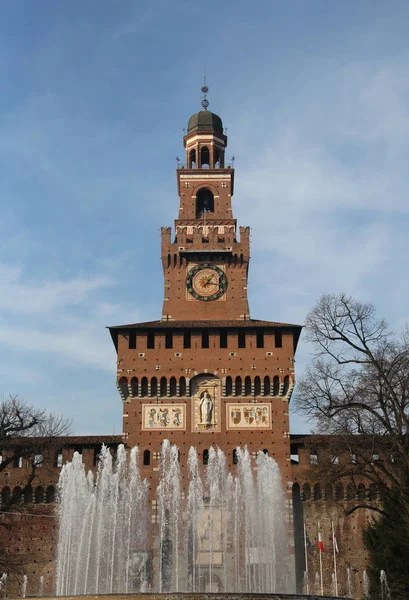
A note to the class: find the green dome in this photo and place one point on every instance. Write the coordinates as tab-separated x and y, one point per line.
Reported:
205	121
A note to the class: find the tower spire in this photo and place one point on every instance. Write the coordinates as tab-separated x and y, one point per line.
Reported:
205	89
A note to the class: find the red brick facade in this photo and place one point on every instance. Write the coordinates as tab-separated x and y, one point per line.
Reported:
206	333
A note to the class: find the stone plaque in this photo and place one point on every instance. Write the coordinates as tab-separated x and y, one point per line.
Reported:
248	416
210	536
163	416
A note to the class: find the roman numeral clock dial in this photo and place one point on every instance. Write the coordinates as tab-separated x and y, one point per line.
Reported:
206	282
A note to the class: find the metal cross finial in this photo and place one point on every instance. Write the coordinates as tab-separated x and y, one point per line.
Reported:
205	89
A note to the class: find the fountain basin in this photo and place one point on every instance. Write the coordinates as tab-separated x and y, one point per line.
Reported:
191	596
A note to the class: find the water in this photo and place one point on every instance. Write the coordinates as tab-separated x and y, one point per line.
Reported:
219	532
350	585
317	584
41	588
24	587
305	583
103	526
3	585
385	593
367	592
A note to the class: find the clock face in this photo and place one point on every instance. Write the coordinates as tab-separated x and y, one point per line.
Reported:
206	282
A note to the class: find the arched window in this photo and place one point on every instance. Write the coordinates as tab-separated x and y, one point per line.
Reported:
146	458
182	386
39	495
306	491
361	491
296	491
123	386
154	386
276	385
28	494
257	386
247	386
163	386
204	202
317	492
235	457
5	497
205	457
339	492
329	493
229	386
172	386
286	385
192	159
204	157
134	386
217	155
17	495
267	389
238	386
144	386
50	494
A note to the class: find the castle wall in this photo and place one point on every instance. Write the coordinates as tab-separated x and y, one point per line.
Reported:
317	502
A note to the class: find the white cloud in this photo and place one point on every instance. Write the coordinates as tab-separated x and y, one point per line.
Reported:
80	346
17	295
60	319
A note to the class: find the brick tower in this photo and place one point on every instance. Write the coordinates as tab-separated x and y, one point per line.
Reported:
206	373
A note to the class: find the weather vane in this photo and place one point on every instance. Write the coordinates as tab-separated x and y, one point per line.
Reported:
205	89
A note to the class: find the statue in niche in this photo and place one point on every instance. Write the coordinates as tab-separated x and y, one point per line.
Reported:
206	408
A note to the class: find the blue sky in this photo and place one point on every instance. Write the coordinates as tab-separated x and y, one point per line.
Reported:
94	99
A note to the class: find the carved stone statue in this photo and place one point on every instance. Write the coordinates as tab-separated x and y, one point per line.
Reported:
206	408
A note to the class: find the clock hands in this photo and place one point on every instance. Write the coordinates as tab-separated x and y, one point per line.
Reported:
208	281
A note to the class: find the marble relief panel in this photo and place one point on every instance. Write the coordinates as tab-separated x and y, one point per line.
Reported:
163	416
248	416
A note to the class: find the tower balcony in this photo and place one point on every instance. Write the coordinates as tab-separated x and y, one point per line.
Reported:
229	166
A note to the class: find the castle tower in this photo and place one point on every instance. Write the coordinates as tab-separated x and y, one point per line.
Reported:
206	373
206	257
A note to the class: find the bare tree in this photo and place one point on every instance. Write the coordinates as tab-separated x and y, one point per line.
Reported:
357	388
29	438
31	435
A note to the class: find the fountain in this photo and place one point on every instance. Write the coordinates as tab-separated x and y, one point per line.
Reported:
385	592
317	584
41	588
366	584
350	585
24	587
3	585
306	583
229	534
